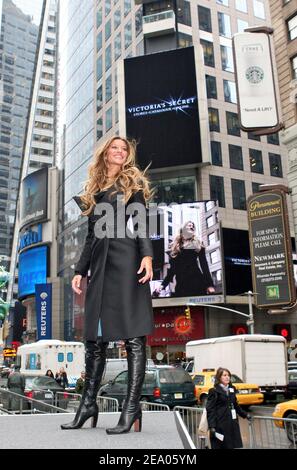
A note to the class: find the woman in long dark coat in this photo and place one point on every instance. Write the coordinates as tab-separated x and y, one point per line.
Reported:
184	254
222	410
118	302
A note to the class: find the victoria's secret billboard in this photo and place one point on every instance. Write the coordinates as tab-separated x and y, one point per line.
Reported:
162	108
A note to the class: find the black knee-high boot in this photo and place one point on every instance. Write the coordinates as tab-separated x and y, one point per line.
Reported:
95	364
131	412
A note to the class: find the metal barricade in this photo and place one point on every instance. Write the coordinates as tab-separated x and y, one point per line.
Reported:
191	417
26	405
68	401
148	406
273	433
107	404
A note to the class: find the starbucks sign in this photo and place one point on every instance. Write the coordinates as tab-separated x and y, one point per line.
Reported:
271	251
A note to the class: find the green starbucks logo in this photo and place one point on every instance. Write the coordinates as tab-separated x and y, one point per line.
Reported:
254	74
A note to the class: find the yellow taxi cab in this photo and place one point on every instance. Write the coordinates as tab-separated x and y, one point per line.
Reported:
247	394
287	409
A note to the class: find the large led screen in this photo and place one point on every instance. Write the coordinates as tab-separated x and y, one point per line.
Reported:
33	205
32	270
162	108
187	252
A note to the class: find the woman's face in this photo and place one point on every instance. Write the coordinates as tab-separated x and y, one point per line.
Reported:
189	230
117	153
225	378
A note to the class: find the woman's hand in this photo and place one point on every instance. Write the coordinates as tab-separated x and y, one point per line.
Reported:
76	283
210	290
146	264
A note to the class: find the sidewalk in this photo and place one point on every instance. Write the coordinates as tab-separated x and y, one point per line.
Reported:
43	432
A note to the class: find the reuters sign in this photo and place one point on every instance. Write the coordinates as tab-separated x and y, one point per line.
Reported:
271	250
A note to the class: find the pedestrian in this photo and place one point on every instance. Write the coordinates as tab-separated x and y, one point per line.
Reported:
118	303
61	377
49	373
80	383
188	265
222	410
16	384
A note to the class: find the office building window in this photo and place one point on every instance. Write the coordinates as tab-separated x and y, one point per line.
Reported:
128	34
184	40
238	194
233	127
180	189
217	191
107	7
235	157
241	5
241	25
107	30
230	91
117	19
256	161
99	17
99	68
259	10
253	136
211	238
184	12
275	163
223	2
108	57
108	119
204	15
117	46
211	87
294	67
99	98
208	53
216	153
255	187
108	89
292	27
99	128
138	21
224	25
227	58
214	120
127	7
273	139
99	41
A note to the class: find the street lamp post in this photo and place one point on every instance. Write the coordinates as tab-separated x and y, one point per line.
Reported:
249	316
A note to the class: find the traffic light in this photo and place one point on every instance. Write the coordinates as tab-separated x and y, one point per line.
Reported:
188	313
4	308
239	329
283	329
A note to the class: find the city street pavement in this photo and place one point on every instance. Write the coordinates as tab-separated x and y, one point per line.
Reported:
43	432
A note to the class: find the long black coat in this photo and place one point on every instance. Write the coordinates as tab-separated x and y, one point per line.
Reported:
189	278
218	407
114	294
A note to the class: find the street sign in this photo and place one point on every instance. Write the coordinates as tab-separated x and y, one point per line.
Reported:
271	250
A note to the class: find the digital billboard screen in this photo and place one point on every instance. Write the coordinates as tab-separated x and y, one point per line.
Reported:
162	108
32	270
187	253
33	202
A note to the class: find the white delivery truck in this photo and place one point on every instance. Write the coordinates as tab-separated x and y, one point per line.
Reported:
258	359
37	358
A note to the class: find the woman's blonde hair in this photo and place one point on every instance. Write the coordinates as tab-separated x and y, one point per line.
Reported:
179	243
128	181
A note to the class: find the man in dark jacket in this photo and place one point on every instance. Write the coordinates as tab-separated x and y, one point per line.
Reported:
16	384
80	383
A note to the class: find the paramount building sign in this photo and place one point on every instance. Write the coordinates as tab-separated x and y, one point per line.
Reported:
271	251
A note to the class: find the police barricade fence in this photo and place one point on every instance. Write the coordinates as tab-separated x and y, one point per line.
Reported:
32	404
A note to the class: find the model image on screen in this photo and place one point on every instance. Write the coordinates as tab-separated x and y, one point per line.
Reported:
188	265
